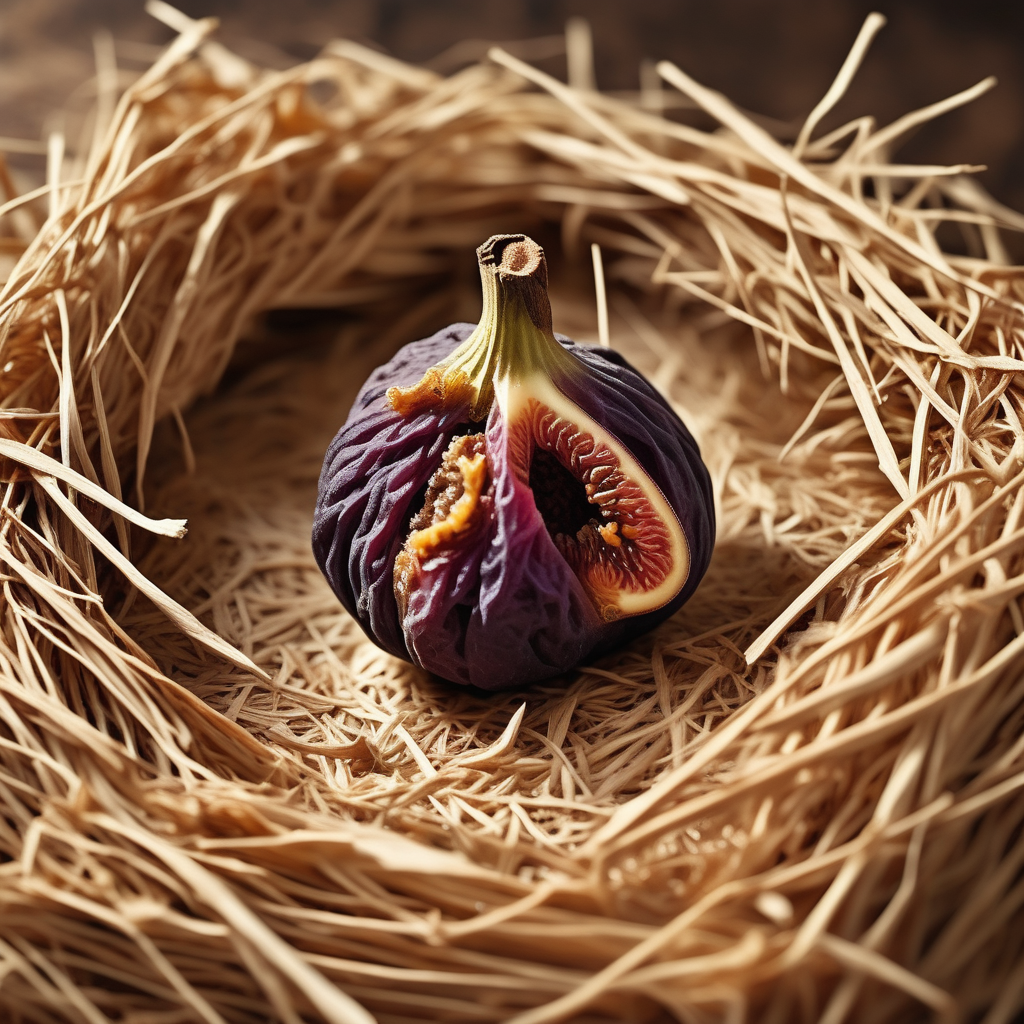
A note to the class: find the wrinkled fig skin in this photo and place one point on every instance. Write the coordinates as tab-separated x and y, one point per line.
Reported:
378	462
506	610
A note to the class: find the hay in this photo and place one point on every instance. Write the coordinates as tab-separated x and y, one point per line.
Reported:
799	800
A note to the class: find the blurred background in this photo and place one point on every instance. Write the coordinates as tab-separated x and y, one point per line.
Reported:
772	57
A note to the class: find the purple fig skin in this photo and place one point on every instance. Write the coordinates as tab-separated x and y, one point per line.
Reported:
502	608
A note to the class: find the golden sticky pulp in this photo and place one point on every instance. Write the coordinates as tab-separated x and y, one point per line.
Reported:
436	392
451	508
474	477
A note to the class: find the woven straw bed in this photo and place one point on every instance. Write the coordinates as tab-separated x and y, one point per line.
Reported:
799	800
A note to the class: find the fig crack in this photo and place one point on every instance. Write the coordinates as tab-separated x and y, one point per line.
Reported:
453	495
452	508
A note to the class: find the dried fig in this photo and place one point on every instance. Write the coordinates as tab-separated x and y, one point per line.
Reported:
502	504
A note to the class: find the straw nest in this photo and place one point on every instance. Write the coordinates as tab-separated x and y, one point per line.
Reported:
799	800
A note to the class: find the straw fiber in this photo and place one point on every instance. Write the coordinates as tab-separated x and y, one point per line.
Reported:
800	800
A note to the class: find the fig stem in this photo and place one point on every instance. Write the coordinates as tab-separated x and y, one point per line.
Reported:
512	341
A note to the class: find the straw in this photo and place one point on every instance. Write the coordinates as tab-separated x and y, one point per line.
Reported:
801	798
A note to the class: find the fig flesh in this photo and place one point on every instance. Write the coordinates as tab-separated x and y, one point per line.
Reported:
502	503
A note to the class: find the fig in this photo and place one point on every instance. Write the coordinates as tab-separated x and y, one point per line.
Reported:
503	503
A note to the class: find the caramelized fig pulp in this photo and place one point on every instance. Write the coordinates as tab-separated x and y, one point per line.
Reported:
503	503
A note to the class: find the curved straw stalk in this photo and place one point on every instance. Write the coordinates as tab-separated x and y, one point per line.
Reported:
221	804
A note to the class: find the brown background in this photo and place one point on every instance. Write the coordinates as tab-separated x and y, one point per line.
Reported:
775	58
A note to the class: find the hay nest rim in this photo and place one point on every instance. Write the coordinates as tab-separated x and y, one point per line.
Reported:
800	799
